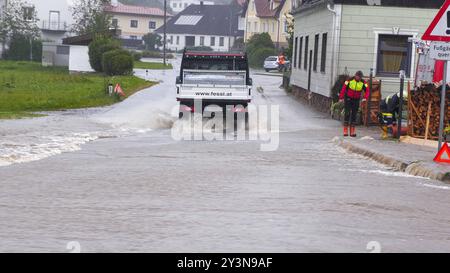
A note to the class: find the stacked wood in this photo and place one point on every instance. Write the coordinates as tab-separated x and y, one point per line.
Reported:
375	100
424	111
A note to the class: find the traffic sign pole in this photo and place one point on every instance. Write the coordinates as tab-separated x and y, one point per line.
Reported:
442	115
439	31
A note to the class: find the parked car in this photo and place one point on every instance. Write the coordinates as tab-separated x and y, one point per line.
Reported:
271	63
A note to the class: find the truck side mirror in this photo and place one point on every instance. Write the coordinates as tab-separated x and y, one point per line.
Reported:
250	81
178	81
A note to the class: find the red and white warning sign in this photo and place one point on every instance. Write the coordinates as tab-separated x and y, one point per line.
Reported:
439	30
444	154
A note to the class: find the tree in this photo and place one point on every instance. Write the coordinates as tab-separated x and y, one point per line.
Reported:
260	40
152	41
89	17
18	18
290	31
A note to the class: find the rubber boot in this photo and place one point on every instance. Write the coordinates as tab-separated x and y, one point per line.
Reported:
352	131
345	131
384	130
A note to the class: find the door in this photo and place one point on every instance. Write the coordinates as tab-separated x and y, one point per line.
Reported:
54	23
190	41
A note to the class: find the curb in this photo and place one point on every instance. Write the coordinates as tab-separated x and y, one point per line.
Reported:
412	168
268	74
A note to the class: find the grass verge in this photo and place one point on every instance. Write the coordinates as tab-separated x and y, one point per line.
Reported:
149	65
27	87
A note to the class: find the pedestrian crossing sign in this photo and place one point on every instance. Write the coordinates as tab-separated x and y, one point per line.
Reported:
444	155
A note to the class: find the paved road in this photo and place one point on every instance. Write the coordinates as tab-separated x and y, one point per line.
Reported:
114	179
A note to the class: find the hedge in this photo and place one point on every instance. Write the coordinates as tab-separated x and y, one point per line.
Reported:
117	62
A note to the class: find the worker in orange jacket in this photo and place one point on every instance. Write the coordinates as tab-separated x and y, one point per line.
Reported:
281	62
351	94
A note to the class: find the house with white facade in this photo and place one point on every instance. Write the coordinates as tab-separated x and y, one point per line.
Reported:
334	37
135	22
179	5
54	18
215	26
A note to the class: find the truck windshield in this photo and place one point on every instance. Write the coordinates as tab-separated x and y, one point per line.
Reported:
214	78
214	64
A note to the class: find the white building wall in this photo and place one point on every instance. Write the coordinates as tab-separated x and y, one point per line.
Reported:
172	39
79	59
179	5
52	15
317	21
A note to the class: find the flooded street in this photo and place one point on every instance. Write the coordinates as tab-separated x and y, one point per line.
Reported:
114	180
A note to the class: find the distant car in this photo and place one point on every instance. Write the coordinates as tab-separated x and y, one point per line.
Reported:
271	63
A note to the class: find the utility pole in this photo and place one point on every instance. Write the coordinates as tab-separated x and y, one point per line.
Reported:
165	33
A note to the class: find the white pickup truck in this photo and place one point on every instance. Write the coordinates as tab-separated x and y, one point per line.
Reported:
214	78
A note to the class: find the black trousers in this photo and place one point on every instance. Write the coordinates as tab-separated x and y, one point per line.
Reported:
351	111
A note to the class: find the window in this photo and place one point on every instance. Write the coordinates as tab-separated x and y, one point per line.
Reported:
134	23
295	51
300	52
174	5
178	40
273	27
221	41
115	23
249	27
152	25
305	63
256	27
316	52
171	39
202	40
286	26
28	13
213	41
62	50
394	54
323	57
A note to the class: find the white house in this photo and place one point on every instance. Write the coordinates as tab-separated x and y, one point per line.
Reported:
343	36
179	5
54	18
214	26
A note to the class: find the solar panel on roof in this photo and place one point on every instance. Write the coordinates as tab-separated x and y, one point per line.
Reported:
191	20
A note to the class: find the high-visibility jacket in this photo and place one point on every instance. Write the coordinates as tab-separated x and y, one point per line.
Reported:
353	89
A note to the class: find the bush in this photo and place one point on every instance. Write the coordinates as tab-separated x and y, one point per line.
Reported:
137	56
97	48
117	62
156	54
19	49
257	41
257	57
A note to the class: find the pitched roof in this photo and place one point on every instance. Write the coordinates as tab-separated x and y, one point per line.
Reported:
217	20
136	10
263	8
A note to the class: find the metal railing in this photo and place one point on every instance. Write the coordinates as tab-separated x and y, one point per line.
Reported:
54	25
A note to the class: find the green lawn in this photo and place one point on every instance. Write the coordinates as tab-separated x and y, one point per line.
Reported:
148	65
28	87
